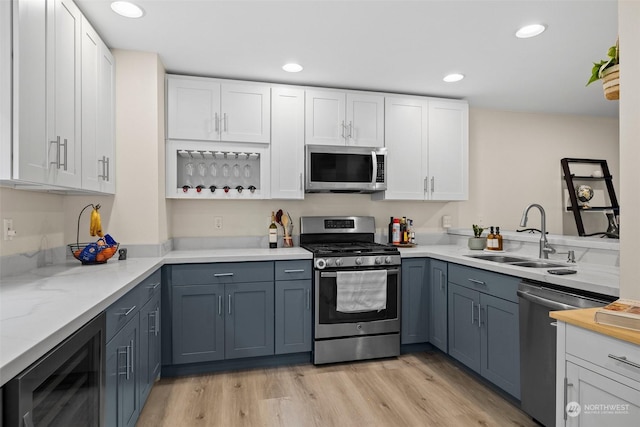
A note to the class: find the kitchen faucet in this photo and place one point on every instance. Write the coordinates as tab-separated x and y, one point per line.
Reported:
545	247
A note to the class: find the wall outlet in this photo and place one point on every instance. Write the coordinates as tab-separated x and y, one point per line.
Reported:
217	222
8	230
446	221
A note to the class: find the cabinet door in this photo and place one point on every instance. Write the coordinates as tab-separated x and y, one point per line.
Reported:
500	343
249	323
438	304
448	155
365	120
406	138
415	299
149	368
602	401
197	324
246	113
464	330
31	145
324	117
97	122
193	109
293	316
287	143
122	404
64	23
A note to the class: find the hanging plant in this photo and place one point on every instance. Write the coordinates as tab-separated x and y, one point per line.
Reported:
609	71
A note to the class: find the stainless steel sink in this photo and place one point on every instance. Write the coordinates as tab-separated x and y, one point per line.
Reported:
516	261
498	258
537	264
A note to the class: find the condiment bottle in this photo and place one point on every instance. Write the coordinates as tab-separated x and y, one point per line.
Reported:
490	239
498	238
396	231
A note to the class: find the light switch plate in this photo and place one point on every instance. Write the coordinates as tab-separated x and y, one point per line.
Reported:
8	231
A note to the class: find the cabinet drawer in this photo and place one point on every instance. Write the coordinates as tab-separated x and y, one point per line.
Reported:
149	287
596	348
495	284
123	310
293	270
224	272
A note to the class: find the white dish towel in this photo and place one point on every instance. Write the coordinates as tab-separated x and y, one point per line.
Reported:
361	291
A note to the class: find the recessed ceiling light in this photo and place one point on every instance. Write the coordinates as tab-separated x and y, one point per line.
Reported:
455	77
127	9
292	68
530	31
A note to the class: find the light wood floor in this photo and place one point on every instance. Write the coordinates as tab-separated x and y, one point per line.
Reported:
419	389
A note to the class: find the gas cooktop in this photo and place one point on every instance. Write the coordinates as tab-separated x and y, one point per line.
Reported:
365	248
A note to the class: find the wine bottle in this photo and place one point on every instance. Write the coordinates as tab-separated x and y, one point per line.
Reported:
273	232
391	230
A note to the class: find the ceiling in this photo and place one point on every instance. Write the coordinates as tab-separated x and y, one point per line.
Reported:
388	46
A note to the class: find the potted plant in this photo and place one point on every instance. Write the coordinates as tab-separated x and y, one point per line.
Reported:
477	241
609	71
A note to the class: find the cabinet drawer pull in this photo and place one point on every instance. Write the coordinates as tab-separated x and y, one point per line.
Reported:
472	313
128	312
153	286
219	305
477	282
623	359
229	304
301	270
308	299
222	274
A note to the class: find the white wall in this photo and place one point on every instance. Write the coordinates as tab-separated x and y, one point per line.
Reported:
629	33
515	161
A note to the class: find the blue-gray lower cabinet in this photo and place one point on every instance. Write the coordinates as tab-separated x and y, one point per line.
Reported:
249	322
415	281
149	369
197	324
438	304
122	400
484	324
293	316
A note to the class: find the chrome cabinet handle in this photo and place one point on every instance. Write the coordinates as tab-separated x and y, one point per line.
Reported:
27	419
477	282
222	274
66	149
128	312
553	324
229	304
131	356
479	316
426	185
219	305
473	319
153	286
106	165
342	126
308	299
57	161
623	359
300	270
157	320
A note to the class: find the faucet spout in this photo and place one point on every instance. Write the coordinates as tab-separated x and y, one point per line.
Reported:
545	248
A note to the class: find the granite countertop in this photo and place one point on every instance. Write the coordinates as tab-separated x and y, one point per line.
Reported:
40	309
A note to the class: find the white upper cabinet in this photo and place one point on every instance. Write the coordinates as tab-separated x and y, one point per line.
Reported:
335	117
287	142
98	151
210	110
428	149
448	150
64	22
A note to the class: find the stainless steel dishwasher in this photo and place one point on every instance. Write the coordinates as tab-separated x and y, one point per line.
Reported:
538	343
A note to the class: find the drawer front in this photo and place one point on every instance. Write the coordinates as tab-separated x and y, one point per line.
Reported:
293	270
495	284
150	286
221	273
123	310
597	348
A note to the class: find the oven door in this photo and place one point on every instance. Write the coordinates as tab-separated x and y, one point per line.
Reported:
330	323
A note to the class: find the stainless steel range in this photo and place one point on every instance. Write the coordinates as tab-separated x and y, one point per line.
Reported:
356	286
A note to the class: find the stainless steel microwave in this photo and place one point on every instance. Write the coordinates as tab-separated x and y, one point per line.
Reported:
345	169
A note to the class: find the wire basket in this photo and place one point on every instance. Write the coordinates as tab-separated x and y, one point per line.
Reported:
94	252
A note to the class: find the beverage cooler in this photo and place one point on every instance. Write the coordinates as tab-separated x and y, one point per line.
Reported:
217	170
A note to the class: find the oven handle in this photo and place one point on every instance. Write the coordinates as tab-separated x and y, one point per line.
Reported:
335	273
